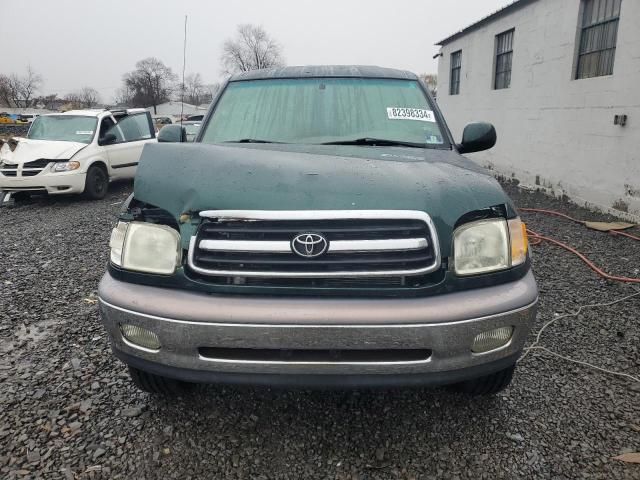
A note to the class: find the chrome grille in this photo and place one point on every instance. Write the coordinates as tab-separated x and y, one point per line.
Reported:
28	169
360	243
8	170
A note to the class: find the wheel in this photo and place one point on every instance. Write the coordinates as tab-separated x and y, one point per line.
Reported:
487	385
96	183
21	196
152	383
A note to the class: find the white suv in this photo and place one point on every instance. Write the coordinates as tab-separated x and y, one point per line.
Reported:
76	152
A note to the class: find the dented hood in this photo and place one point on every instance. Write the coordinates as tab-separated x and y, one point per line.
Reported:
28	150
190	178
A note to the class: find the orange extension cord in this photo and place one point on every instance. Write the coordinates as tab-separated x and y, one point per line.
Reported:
536	239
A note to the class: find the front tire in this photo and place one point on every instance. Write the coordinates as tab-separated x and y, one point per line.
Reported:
21	196
97	183
151	383
488	384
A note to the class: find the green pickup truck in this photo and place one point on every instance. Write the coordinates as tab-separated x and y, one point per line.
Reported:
323	230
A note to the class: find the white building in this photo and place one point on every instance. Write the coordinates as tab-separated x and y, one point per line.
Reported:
560	80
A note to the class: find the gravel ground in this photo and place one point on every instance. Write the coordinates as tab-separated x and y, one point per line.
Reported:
67	409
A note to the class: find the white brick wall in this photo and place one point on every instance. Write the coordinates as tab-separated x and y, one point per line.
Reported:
552	130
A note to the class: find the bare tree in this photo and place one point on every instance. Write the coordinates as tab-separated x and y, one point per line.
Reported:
18	91
431	81
30	84
73	101
89	97
50	102
251	49
5	91
193	89
210	91
150	84
15	89
124	96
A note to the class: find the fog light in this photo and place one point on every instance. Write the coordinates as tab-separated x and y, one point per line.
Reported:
140	337
487	341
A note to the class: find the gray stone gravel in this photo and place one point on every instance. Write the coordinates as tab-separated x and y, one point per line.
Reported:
68	411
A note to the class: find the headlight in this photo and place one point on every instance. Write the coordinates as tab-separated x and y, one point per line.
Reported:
481	247
489	245
145	247
65	166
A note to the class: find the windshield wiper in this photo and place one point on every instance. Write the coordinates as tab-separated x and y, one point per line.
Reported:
251	140
376	142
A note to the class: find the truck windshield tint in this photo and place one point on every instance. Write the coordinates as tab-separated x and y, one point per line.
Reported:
64	128
325	110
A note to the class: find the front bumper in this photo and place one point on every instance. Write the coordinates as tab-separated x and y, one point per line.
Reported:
186	322
52	183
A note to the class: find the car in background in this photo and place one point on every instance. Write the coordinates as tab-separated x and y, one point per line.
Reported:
193	118
162	120
5	118
79	151
191	129
27	117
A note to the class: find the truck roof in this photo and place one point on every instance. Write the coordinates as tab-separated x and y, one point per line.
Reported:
311	71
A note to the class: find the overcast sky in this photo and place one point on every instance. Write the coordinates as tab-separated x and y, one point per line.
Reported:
76	43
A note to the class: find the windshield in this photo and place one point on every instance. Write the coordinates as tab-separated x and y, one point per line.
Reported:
324	110
64	128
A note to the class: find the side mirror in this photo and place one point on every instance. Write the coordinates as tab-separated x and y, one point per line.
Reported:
477	137
108	139
172	134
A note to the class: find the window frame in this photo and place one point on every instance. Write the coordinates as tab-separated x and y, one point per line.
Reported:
120	119
454	86
604	55
498	54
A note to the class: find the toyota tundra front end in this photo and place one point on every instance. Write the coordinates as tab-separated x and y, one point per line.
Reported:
323	230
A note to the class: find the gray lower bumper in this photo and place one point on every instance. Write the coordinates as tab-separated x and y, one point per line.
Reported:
445	324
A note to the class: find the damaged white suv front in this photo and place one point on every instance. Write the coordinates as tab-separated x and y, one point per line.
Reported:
79	151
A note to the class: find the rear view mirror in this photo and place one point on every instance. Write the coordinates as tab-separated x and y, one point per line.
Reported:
477	137
172	134
108	139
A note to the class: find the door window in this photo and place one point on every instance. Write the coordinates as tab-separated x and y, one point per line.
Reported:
106	126
132	128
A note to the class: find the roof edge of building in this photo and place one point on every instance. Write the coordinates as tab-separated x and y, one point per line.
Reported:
511	7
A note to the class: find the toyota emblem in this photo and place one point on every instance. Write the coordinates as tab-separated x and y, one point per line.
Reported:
309	245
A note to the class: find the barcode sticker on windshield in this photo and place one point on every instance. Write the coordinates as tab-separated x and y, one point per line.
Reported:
402	113
84	132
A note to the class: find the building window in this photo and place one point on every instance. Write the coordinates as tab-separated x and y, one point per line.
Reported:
598	35
504	54
454	79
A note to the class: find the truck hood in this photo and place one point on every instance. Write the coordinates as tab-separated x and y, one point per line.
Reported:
28	150
190	178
